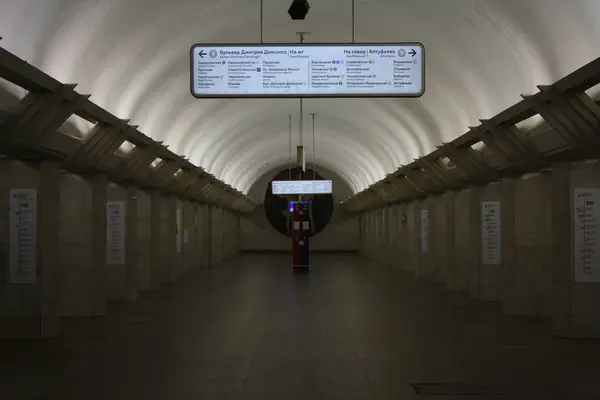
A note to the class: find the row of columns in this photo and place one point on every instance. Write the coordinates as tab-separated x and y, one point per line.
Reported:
71	244
531	243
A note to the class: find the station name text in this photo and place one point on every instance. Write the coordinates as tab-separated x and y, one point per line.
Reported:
371	51
258	52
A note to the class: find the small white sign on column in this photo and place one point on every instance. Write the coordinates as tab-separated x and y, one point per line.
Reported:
178	233
424	231
586	235
491	234
115	233
23	236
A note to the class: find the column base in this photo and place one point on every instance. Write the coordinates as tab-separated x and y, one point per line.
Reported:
576	327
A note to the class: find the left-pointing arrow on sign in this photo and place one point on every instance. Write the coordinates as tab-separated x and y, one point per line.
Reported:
202	53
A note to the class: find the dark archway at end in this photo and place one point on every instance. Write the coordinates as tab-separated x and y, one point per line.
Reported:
276	207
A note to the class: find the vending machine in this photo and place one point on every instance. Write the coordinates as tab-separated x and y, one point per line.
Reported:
301	233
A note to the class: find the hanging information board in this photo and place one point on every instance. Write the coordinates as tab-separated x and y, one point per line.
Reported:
22	256
586	235
491	234
424	231
115	233
307	70
282	188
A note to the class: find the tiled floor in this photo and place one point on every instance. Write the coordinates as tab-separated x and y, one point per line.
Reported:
254	330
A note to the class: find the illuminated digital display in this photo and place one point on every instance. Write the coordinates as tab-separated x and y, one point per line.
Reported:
302	187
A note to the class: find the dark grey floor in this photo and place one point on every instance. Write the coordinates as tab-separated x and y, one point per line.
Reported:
254	330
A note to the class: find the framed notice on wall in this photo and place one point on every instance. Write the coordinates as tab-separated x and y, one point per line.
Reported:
178	229
424	231
586	235
115	233
22	256
491	234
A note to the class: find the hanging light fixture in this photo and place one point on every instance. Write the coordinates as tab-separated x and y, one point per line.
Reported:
299	9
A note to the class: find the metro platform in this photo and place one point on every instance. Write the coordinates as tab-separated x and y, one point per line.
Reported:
251	329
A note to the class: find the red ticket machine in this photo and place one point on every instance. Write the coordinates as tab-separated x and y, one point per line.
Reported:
301	232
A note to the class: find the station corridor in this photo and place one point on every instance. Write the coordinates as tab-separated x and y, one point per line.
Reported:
350	329
299	199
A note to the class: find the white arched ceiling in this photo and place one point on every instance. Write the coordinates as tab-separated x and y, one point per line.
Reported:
133	57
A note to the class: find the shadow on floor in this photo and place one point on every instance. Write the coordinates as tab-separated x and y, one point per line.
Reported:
255	330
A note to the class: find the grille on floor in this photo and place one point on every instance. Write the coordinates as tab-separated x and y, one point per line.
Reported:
455	389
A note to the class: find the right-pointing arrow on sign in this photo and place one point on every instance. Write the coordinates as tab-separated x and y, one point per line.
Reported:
412	52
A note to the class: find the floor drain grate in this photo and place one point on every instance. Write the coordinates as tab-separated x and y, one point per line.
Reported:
455	389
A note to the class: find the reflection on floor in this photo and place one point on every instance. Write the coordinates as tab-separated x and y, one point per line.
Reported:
254	330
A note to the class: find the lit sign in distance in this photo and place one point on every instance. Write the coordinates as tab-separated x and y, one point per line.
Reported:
301	187
293	203
308	70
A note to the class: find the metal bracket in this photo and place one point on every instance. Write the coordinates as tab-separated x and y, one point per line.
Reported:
164	172
508	142
138	160
577	113
474	169
38	117
99	144
421	181
203	192
444	178
197	187
573	138
181	183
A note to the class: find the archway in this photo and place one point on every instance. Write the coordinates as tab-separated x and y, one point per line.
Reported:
277	207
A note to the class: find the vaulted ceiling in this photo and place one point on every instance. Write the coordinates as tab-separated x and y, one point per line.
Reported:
133	57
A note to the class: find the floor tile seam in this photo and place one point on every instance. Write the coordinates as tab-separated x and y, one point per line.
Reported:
362	367
255	354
